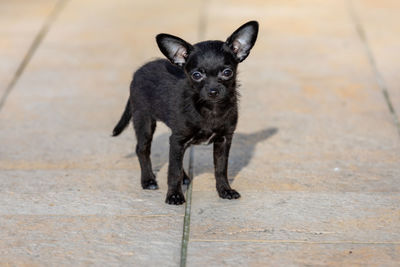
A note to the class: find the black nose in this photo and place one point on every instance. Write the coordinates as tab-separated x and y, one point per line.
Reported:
213	93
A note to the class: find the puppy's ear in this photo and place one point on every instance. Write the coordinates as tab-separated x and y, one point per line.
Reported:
174	48
242	40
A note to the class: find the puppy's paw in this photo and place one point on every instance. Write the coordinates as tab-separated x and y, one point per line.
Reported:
150	184
228	194
175	198
186	179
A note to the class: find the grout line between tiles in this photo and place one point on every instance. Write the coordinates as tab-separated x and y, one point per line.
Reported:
295	241
186	220
32	49
186	223
378	76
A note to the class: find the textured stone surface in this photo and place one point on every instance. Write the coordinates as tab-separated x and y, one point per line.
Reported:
292	254
315	157
20	21
305	216
80	192
73	191
379	20
316	154
310	119
90	240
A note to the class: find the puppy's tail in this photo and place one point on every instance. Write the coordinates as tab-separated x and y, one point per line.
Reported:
124	121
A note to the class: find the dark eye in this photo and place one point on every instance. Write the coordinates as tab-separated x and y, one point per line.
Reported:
227	73
197	76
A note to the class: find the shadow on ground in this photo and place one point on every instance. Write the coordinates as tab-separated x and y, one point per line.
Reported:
242	152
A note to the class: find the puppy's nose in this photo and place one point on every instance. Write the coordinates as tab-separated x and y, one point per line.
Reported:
213	93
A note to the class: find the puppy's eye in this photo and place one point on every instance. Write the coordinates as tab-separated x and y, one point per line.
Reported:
227	73
197	76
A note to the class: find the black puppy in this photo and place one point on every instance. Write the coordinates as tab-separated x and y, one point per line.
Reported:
195	97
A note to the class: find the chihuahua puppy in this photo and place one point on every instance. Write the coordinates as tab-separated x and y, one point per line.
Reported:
194	93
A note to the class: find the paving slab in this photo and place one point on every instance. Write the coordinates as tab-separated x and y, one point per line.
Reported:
306	112
379	21
313	123
289	254
315	156
73	191
80	192
20	22
298	216
76	89
77	240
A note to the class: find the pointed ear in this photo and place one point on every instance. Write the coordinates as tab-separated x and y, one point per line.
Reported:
174	48
242	40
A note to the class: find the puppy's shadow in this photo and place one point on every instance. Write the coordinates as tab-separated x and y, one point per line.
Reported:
241	152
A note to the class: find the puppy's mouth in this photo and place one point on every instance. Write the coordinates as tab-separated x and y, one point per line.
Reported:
212	99
215	100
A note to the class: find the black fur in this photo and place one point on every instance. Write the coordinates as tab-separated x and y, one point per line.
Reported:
124	121
195	97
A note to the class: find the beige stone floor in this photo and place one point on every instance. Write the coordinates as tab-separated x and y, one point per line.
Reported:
316	156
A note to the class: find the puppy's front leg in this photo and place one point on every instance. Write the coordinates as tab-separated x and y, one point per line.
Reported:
175	171
222	146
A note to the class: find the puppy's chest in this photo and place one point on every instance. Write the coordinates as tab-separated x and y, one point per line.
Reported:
202	137
210	128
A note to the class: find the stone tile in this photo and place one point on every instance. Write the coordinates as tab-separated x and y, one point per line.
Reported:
72	94
81	192
298	216
90	240
310	119
315	156
70	194
291	254
275	160
20	22
29	148
380	20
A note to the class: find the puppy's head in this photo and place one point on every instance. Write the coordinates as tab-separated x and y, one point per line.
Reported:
211	66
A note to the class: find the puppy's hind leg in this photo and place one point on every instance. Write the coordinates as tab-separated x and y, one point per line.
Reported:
144	127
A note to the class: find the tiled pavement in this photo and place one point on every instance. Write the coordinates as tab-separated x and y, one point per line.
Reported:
316	154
